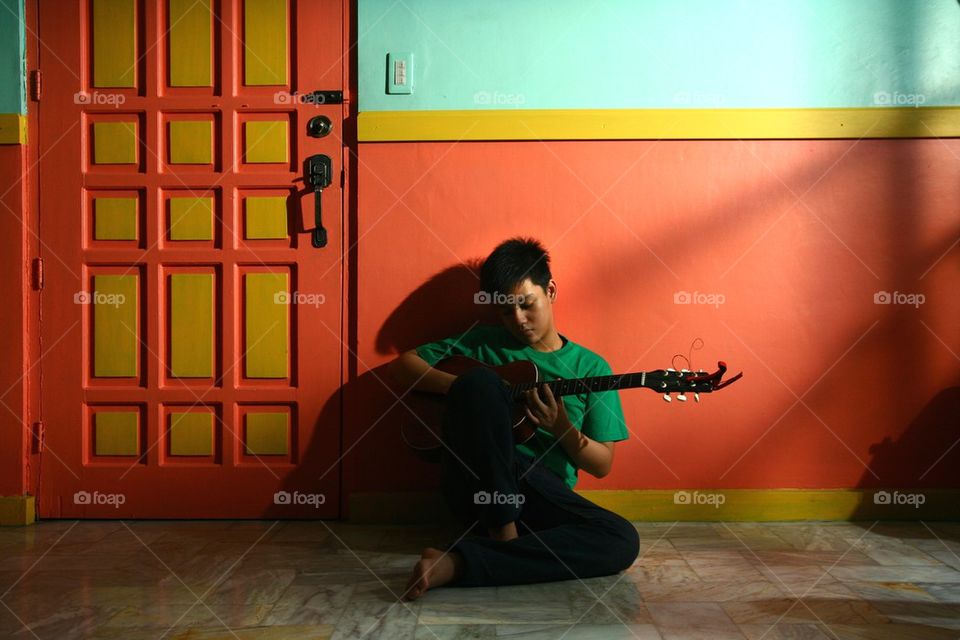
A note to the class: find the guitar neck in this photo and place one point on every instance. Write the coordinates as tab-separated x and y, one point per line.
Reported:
566	387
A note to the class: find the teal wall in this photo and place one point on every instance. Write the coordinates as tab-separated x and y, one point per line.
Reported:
578	54
12	58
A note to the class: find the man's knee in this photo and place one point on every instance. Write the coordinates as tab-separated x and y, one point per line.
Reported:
477	398
478	375
629	548
479	383
622	542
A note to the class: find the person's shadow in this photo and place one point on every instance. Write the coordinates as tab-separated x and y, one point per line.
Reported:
913	475
375	459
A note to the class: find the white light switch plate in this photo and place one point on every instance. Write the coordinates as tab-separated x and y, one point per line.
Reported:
400	73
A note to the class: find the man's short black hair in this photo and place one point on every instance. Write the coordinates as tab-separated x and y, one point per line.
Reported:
512	262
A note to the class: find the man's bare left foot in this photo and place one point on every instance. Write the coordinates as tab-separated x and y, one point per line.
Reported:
434	569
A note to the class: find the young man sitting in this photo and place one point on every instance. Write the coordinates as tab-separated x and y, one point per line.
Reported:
538	529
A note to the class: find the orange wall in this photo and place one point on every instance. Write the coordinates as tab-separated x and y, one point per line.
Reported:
797	236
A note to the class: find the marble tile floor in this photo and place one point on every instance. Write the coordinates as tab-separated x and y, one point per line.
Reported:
253	580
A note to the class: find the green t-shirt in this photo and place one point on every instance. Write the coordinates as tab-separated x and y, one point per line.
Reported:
598	415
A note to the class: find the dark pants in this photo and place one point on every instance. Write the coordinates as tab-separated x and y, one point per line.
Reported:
563	536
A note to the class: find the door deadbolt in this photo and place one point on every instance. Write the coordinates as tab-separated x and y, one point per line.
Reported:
319	126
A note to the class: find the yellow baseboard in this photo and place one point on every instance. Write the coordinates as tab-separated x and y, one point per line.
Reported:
658	124
13	128
700	505
17	510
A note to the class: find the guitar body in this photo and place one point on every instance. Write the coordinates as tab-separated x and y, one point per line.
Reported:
421	424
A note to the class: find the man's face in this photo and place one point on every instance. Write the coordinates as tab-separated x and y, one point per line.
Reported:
530	316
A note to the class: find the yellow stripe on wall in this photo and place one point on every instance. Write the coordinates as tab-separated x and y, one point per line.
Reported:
191	325
17	510
13	128
739	505
189	25
115	330
114	43
266	325
265	42
654	124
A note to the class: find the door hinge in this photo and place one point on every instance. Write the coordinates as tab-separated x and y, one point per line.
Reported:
38	437
35	85
37	274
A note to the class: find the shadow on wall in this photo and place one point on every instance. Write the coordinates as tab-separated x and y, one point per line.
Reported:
908	472
378	459
439	308
374	456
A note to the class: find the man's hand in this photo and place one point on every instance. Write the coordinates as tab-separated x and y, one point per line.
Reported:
549	414
596	458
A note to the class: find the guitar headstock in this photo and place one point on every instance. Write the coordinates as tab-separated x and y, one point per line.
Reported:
667	381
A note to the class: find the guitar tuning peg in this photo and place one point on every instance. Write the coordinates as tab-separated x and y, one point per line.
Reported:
667	398
682	397
696	397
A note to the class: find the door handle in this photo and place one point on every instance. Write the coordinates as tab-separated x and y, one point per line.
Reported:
319	169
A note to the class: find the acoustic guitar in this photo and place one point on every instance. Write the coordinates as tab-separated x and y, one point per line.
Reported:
421	423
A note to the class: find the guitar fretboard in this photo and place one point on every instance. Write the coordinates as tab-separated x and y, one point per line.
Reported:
584	385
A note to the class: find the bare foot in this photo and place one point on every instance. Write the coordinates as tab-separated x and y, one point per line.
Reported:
505	533
434	569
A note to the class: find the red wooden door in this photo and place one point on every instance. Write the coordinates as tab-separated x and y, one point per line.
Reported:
190	329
